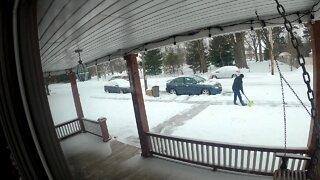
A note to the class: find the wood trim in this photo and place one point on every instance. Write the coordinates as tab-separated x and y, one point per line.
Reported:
314	150
76	98
138	103
315	38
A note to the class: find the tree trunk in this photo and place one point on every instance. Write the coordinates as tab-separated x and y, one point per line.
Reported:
240	57
260	46
203	67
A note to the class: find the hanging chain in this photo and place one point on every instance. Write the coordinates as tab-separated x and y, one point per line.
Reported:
284	109
301	61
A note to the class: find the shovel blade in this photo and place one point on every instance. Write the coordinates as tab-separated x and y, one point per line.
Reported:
250	103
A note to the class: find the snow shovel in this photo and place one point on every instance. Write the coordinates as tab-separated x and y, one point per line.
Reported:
250	103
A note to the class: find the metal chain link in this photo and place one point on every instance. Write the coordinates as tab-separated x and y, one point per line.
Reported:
306	78
301	61
284	109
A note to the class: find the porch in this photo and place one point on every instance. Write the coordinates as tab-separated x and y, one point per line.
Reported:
40	40
90	158
92	154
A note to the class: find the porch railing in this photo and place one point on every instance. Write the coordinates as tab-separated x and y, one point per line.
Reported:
239	158
70	128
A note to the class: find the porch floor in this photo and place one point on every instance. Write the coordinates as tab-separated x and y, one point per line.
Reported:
90	158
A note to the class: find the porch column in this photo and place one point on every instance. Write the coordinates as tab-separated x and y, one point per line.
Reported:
76	98
312	144
138	103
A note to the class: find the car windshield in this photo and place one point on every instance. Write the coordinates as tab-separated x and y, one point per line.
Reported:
199	79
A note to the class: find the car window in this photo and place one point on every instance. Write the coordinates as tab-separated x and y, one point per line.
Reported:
190	80
199	79
178	81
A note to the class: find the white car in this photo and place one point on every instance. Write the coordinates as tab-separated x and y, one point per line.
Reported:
225	72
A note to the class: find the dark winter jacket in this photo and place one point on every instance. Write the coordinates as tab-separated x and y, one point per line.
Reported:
237	84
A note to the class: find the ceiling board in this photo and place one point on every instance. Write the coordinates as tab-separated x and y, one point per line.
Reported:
102	28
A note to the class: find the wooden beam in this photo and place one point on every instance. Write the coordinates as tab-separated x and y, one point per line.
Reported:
76	98
138	103
314	152
315	38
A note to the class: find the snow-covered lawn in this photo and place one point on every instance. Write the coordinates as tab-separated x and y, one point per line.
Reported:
212	118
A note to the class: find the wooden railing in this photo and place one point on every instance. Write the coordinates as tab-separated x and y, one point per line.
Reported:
92	127
239	158
69	128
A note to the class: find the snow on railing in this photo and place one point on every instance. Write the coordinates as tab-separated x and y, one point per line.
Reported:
239	158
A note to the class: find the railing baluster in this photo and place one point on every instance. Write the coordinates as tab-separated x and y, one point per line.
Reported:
73	127
267	162
69	129
202	153
159	148
197	153
292	164
213	155
176	153
224	156
248	159
254	160
163	146
230	157
208	154
154	143
179	149
166	141
242	159
63	130
192	151
219	156
299	164
188	151
183	150
170	147
236	159
273	162
260	160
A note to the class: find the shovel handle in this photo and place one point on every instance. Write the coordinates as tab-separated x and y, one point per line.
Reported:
246	97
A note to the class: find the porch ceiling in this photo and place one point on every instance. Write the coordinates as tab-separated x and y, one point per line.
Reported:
114	27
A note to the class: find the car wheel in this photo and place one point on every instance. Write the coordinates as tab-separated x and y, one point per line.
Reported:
205	91
234	75
106	90
121	91
172	91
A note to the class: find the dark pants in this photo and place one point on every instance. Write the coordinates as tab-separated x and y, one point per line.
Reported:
236	94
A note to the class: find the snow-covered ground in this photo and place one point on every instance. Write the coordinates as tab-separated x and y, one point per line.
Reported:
212	118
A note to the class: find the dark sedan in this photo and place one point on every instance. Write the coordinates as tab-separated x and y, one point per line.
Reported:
193	85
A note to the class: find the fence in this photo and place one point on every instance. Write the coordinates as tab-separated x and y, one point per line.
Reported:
247	159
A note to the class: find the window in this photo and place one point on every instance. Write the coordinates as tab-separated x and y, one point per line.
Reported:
190	80
178	81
